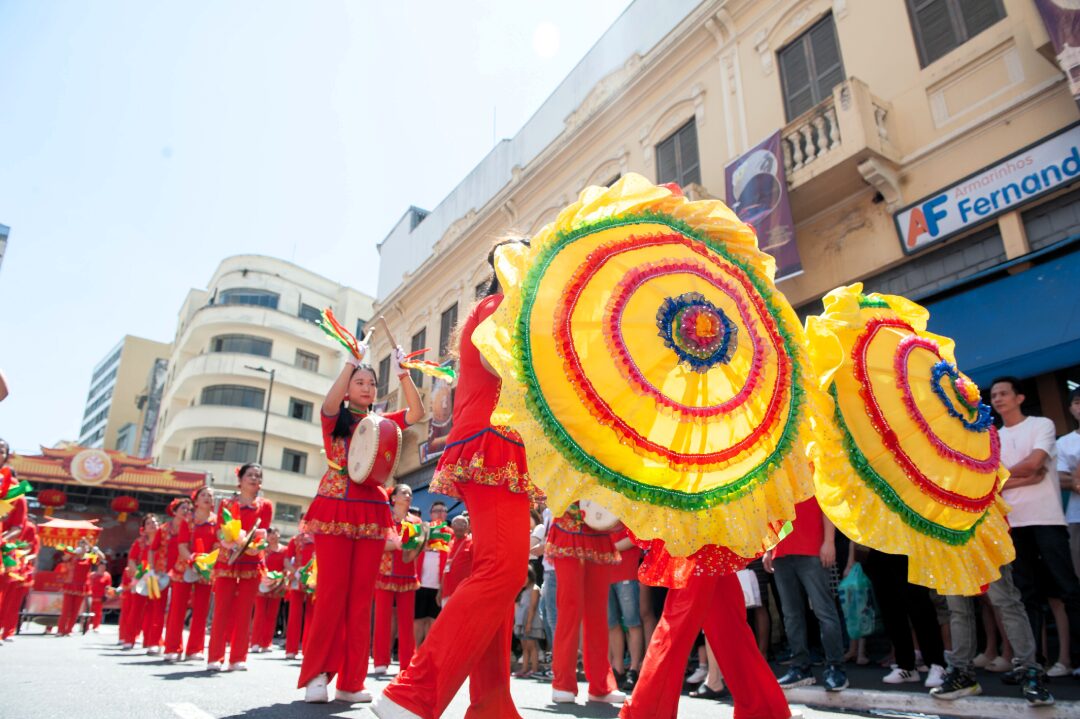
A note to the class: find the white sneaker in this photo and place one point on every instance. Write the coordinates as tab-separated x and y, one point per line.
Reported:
255	649
153	651
126	647
698	676
1059	670
170	658
386	708
213	666
196	657
901	676
315	691
238	667
360	697
558	696
935	677
379	670
291	655
980	661
615	697
999	665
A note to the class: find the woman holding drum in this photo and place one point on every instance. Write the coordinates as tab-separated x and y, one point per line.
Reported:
350	520
485	466
238	570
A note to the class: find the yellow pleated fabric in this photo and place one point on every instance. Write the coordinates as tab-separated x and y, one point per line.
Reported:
650	365
906	459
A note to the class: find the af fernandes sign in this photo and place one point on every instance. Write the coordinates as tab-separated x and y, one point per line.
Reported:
1049	164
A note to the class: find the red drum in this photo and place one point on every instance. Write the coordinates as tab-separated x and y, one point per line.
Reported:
374	450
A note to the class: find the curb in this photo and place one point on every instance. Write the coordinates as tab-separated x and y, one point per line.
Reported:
976	707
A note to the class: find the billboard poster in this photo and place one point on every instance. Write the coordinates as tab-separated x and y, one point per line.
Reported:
442	417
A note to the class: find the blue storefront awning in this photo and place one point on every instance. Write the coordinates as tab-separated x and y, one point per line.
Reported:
1022	325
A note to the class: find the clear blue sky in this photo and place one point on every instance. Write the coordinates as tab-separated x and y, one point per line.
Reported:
142	142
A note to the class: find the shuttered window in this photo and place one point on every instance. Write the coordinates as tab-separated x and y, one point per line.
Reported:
382	383
810	67
446	329
941	26
418	341
224	449
677	157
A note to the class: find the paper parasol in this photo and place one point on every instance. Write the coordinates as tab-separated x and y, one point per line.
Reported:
650	365
910	462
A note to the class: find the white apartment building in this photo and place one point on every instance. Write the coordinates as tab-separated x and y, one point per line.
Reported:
248	356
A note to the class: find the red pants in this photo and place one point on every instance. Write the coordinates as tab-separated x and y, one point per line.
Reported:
96	605
338	640
406	609
233	600
174	624
581	593
717	603
9	610
136	618
125	617
471	638
295	631
69	614
200	609
266	611
154	623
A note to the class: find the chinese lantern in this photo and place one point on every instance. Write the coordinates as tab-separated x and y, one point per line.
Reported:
124	505
50	499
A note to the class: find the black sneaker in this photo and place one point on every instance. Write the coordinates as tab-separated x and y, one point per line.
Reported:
956	685
1033	689
629	681
1014	677
620	677
796	677
835	678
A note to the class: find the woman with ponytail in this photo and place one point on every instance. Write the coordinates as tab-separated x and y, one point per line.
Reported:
351	524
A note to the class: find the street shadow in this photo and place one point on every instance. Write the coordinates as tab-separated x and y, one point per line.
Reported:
144	663
591	710
300	710
193	674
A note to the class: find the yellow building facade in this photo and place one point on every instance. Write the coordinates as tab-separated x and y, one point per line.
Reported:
889	112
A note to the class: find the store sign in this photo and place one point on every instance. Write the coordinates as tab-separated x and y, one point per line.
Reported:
1047	165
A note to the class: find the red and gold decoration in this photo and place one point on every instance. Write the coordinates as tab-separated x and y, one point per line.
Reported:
630	327
57	532
907	459
73	465
124	505
51	499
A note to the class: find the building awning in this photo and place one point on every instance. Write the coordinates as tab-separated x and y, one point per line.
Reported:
1023	325
106	469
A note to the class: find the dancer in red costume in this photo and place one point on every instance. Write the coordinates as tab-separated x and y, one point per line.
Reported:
165	561
236	583
100	583
199	536
705	593
138	562
267	604
18	579
486	467
396	586
583	559
350	522
126	590
459	562
299	552
77	584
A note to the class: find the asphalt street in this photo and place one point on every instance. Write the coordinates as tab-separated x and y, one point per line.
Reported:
89	676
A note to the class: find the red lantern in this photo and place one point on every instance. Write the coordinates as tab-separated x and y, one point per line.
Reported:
50	499
125	505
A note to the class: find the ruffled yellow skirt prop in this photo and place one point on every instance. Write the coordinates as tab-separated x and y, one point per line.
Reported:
650	365
906	459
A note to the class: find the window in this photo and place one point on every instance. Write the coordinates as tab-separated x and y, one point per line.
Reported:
446	329
244	344
232	395
224	449
299	409
418	341
810	67
383	385
360	325
247	296
309	313
677	157
943	25
287	512
107	364
307	360
293	461
125	438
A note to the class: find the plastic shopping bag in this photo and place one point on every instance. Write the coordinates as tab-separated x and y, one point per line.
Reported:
861	616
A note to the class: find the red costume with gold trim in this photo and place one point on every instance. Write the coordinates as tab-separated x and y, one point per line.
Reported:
99	585
299	553
17	583
199	539
395	587
267	604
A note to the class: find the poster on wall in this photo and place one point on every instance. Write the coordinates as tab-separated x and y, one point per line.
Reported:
756	189
442	415
1062	21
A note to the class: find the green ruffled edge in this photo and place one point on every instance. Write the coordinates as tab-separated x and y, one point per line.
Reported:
884	491
579	458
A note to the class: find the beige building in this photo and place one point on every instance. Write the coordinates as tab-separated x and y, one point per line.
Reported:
927	146
250	337
114	414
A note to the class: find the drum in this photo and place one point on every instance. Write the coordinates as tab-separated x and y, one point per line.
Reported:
142	587
374	450
191	575
597	516
268	585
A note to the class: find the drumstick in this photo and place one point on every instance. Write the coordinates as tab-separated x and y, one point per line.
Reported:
389	334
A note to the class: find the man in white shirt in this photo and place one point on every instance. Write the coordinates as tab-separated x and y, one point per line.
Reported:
432	563
1068	466
1029	451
